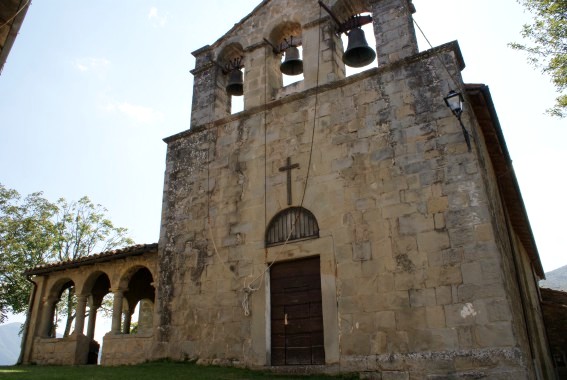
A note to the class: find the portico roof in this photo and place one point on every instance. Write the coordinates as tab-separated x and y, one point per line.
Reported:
133	250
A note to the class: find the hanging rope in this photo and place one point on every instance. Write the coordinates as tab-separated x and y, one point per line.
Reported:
451	76
15	15
250	289
456	83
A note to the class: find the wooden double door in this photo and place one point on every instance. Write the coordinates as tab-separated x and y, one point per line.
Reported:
297	314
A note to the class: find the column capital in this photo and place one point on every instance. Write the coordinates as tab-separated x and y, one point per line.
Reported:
49	299
118	290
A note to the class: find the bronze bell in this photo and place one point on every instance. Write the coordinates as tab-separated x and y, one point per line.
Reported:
235	85
292	64
358	53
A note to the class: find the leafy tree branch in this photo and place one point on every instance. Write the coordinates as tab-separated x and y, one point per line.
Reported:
547	48
35	231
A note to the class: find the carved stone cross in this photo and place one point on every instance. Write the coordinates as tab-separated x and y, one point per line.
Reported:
288	168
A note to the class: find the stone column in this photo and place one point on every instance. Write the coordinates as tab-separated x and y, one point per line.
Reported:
80	314
92	318
127	321
117	310
210	100
47	316
146	316
394	30
322	54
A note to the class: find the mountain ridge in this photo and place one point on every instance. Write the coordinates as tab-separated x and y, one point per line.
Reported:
10	342
556	279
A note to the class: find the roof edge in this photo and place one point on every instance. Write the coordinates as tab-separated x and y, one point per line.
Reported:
133	250
508	177
13	32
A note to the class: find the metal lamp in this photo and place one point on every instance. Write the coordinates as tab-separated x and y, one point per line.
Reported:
454	100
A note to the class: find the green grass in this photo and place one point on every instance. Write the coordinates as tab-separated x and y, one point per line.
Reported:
148	371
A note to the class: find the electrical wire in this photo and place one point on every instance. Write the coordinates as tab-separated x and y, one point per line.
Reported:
455	82
249	289
466	133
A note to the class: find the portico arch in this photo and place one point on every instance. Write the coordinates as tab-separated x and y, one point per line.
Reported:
95	288
91	278
137	285
48	323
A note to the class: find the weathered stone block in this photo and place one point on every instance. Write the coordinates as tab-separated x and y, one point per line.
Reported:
496	334
395	375
412	224
437	205
439	221
442	276
433	241
362	251
435	316
422	297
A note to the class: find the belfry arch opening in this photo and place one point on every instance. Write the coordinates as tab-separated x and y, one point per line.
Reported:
287	39
369	37
231	60
291	79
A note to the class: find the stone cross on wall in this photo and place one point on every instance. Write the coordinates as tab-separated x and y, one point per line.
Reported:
288	168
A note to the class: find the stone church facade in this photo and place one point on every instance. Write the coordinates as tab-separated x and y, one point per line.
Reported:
337	224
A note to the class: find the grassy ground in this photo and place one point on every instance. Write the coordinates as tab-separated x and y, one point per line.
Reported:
148	371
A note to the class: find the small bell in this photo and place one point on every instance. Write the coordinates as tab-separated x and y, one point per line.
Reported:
235	85
358	53
292	64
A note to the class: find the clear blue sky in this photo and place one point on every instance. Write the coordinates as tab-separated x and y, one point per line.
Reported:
91	88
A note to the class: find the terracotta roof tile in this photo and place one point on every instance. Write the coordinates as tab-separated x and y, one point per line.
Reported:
133	250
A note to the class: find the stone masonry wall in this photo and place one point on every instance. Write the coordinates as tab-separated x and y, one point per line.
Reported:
554	303
420	283
71	350
126	349
519	281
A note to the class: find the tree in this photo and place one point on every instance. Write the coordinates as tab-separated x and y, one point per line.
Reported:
81	228
35	231
27	234
548	51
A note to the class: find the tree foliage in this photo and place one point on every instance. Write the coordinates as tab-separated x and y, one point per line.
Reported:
548	45
34	231
27	234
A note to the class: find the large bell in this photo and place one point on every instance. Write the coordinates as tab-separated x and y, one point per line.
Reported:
292	64
358	53
235	85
